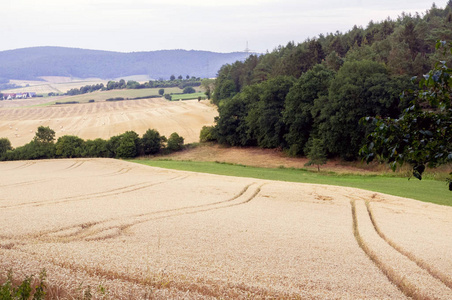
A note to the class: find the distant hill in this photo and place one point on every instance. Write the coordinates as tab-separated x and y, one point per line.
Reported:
31	63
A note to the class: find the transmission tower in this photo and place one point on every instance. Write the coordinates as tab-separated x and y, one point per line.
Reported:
247	50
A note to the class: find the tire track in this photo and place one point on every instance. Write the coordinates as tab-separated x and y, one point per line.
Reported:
407	289
75	165
23	183
117	173
446	280
413	281
25	165
113	192
89	232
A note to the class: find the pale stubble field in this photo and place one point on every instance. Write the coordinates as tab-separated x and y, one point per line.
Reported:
106	119
130	231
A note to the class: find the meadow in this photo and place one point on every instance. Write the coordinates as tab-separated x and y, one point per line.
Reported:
188	96
433	191
140	232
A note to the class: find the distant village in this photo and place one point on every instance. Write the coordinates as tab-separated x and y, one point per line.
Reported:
11	96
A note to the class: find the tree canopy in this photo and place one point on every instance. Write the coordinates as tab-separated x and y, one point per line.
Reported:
421	135
321	88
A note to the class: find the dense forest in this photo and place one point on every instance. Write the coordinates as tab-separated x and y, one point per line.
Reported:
31	63
320	89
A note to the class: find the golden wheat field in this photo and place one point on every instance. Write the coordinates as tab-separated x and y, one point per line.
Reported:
106	119
128	231
52	84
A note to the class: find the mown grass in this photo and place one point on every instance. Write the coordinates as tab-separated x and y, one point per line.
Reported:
426	190
188	96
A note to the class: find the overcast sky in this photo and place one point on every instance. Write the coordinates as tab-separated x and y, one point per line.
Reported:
213	25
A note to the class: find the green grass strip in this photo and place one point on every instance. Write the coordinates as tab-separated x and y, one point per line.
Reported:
188	96
426	190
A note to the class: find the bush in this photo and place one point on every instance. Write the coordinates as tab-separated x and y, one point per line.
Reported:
125	145
175	142
152	142
95	148
25	290
207	134
167	97
189	90
5	145
69	146
32	150
68	102
115	99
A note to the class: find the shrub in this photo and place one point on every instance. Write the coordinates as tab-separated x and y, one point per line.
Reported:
125	145
207	134
32	150
5	145
68	102
316	153
95	148
69	146
115	99
189	90
25	290
152	142
175	142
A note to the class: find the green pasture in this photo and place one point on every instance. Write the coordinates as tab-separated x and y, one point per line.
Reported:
426	190
188	96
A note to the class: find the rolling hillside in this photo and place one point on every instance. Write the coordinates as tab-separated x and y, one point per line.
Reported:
31	63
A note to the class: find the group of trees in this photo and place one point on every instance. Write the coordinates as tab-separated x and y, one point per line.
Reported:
319	90
126	145
86	89
181	83
421	135
172	78
131	84
289	113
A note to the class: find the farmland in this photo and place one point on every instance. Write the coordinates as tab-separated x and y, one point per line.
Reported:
143	232
106	119
52	84
188	96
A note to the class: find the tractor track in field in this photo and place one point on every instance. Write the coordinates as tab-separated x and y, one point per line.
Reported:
412	276
112	192
89	232
446	280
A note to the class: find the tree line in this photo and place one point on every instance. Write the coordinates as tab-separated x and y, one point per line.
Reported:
131	84
126	145
320	89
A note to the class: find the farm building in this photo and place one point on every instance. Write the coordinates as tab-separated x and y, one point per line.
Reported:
10	96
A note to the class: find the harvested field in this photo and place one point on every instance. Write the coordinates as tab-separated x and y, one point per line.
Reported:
130	231
106	119
55	84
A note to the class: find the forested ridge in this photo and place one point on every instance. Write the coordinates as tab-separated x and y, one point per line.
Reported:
31	63
321	88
